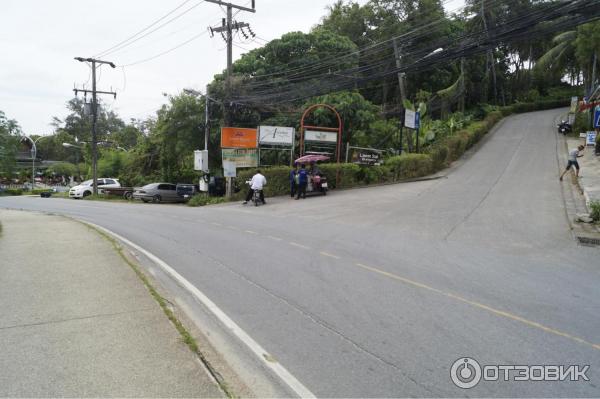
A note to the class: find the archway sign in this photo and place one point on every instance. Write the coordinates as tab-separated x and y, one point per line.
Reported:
325	137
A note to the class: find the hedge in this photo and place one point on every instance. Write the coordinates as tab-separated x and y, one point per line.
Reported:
406	166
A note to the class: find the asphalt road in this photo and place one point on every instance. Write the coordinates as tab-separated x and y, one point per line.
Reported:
376	292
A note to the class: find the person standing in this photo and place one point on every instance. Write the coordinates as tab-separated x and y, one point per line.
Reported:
573	155
302	182
293	178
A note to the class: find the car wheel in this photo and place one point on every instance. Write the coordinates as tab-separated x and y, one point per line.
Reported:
145	201
156	199
86	193
128	195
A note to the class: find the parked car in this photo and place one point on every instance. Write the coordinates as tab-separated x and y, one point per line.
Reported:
186	191
86	188
158	192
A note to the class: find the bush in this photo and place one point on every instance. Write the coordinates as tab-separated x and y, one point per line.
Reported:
203	200
12	191
595	210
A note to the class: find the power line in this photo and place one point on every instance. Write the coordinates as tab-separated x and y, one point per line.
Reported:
136	37
465	44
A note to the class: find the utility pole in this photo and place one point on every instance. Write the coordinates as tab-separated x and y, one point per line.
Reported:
398	58
400	74
228	26
94	92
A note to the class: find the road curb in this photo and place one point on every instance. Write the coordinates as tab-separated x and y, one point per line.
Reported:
264	357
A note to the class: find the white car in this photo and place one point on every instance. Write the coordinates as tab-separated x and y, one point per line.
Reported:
86	188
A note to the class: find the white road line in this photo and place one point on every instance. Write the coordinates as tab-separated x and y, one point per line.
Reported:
299	245
275	238
250	232
216	224
263	356
329	255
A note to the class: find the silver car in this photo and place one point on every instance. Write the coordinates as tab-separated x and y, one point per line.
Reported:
158	192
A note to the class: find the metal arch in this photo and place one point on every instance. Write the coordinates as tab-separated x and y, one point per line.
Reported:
339	128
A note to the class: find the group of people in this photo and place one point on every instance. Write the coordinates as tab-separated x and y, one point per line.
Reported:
299	178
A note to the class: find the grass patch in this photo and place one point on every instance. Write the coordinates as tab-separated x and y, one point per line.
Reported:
594	211
163	303
203	200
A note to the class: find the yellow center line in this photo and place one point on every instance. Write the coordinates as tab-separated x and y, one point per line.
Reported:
329	255
481	306
299	245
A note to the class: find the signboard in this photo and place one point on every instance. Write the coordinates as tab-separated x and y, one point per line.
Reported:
229	169
412	119
326	137
237	137
242	157
597	117
590	138
201	160
366	157
276	135
574	102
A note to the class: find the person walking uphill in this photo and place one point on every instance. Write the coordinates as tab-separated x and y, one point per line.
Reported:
293	176
573	155
302	182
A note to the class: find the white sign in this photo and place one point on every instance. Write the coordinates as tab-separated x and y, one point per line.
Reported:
229	169
410	118
590	138
201	160
276	135
313	135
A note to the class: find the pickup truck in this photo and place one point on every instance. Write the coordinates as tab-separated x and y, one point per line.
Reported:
125	192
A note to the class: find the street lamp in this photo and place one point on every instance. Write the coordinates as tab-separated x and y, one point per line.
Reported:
208	98
33	156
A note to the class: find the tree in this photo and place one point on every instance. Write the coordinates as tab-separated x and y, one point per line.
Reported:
9	141
357	113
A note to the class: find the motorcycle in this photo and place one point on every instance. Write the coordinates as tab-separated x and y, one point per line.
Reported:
564	128
256	198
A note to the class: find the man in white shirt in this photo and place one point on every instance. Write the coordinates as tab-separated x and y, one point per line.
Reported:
257	183
573	155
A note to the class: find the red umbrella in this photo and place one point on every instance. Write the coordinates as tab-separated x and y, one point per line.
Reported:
312	158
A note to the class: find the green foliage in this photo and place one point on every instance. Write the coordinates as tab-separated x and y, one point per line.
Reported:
65	169
9	141
112	163
203	200
12	191
357	113
595	210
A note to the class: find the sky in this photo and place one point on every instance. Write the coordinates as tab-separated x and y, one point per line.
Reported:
39	40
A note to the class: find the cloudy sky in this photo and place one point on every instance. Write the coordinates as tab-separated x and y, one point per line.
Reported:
38	40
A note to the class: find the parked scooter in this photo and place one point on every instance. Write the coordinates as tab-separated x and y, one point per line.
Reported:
564	128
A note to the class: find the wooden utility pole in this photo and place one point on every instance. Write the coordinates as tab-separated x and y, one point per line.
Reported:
402	86
228	26
94	92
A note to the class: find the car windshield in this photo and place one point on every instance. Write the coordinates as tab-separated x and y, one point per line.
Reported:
87	183
149	186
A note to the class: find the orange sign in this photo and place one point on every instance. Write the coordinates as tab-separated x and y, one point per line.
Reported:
238	137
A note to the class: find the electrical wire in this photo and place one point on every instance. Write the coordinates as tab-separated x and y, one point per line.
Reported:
136	37
474	48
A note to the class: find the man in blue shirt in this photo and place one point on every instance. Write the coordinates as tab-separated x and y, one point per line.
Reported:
302	181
